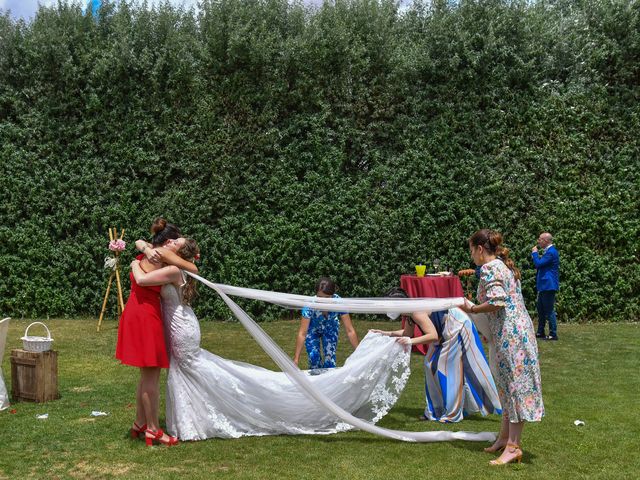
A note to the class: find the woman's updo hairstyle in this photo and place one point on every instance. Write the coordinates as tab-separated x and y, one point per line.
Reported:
326	286
491	241
163	231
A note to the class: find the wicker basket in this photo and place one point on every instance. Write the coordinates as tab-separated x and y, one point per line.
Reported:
37	344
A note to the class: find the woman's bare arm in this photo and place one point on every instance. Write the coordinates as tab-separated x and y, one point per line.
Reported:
430	334
351	332
149	252
302	333
162	276
171	258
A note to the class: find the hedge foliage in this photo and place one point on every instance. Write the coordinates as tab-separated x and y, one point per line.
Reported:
354	140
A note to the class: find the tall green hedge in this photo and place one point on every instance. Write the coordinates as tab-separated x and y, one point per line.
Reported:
354	140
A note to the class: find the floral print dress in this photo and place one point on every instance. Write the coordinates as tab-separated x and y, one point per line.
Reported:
322	335
518	369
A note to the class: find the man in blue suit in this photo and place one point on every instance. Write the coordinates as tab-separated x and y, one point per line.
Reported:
547	262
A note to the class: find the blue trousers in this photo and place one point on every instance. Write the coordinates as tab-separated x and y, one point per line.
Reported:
547	312
322	337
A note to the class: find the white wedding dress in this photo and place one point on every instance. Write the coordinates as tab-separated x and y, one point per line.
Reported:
209	396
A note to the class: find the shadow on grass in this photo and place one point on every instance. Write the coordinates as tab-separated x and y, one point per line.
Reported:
414	414
334	438
350	437
527	457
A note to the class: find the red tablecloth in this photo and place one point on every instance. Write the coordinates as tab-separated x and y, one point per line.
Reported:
430	287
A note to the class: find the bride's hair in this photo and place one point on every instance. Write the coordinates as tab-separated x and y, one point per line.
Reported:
491	241
189	252
163	231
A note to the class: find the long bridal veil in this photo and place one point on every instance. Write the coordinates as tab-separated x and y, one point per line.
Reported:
302	381
4	396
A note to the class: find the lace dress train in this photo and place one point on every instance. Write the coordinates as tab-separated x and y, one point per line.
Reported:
209	396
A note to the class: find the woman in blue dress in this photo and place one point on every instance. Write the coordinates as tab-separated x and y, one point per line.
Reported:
319	330
458	379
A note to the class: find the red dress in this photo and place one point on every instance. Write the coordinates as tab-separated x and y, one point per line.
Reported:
141	341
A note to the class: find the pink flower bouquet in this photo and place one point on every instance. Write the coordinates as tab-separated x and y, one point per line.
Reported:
117	245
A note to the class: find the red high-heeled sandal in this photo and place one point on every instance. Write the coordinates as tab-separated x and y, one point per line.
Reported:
137	431
152	437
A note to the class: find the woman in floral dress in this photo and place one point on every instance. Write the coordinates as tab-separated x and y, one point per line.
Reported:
516	363
318	330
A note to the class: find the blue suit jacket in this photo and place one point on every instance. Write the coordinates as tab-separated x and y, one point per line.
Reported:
548	269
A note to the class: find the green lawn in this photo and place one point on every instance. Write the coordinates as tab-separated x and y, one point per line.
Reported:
591	374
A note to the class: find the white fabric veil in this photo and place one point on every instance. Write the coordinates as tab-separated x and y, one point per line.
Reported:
361	305
4	396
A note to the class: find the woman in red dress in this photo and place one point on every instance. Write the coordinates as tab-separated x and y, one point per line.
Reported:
141	341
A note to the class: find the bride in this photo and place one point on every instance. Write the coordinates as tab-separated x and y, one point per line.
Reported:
209	396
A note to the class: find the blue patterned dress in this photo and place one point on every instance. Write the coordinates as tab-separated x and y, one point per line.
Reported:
322	335
517	366
458	380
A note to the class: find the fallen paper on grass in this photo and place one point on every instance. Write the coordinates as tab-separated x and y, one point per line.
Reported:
578	423
96	413
44	416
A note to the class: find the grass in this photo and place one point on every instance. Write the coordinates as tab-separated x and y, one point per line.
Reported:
591	374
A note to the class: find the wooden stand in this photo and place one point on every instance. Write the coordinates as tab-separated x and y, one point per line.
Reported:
34	376
113	234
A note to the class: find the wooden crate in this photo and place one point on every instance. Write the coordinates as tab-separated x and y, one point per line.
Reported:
34	376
